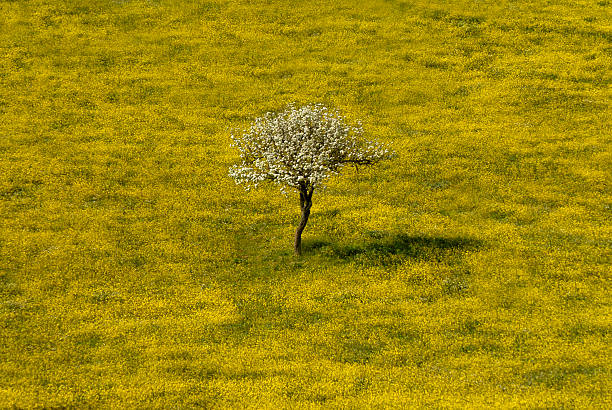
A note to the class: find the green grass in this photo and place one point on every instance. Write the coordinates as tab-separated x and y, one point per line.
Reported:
471	271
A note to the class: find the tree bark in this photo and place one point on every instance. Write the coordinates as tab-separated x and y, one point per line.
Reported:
305	205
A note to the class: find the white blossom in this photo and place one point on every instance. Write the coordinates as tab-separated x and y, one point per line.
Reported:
301	147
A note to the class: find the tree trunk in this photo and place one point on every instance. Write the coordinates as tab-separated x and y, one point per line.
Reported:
305	205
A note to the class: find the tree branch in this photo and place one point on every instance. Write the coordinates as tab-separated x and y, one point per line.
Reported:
310	192
358	161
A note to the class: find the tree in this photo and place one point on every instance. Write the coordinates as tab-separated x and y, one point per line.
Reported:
300	148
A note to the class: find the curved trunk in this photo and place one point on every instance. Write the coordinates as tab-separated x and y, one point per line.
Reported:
305	205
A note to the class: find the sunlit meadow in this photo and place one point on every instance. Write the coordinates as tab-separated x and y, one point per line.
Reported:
472	270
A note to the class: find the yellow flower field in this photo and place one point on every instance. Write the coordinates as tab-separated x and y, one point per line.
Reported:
471	271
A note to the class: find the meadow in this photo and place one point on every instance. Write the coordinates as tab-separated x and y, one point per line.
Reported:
471	271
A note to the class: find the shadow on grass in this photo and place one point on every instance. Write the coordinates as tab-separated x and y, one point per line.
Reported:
385	249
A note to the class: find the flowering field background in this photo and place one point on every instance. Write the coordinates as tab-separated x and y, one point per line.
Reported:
472	270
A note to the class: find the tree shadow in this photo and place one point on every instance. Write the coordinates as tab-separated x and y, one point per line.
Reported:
386	249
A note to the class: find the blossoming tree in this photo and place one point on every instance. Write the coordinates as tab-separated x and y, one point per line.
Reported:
299	148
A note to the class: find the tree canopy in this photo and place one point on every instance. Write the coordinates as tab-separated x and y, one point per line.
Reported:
301	147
